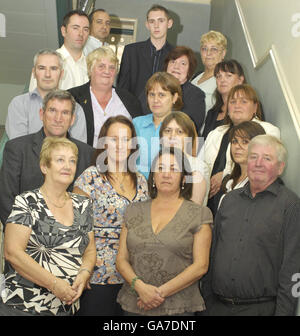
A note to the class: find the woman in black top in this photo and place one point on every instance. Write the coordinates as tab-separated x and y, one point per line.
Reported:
228	74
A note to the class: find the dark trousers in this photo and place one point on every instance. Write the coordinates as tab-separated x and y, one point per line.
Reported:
219	308
101	300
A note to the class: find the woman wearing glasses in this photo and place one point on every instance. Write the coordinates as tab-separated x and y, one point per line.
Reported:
213	47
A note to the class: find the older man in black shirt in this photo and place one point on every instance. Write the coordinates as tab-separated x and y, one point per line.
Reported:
256	243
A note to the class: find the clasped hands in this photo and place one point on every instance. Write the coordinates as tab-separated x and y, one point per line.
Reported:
150	297
69	294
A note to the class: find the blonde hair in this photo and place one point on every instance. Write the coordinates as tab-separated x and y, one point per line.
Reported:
98	54
52	143
215	36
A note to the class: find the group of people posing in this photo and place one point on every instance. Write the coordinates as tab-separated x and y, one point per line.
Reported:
160	195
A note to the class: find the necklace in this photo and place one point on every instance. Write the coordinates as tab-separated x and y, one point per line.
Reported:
120	182
57	206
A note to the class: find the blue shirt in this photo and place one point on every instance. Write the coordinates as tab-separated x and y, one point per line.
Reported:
148	140
23	117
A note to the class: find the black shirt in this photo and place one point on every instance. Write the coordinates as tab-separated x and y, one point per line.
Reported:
256	246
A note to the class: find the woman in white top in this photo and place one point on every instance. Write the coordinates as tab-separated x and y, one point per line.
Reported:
242	105
178	130
213	47
239	138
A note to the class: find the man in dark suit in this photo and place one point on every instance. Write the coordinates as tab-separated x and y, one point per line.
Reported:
141	60
20	170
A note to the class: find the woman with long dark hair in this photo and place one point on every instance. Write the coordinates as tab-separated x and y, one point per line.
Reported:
112	183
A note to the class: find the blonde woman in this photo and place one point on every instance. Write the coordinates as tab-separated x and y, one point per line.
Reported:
98	98
49	240
213	47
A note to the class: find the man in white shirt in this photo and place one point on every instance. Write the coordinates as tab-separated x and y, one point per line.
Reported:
75	30
99	30
23	111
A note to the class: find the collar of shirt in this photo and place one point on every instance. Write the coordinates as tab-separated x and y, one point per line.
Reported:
273	188
153	49
35	93
97	42
147	121
66	55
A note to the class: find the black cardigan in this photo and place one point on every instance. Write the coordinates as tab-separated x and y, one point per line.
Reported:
83	97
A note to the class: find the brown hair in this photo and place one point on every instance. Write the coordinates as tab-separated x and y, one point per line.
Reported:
185	122
183	162
134	150
168	83
183	51
246	129
68	16
156	7
250	94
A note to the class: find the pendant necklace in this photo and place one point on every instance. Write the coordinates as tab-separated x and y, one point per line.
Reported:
57	206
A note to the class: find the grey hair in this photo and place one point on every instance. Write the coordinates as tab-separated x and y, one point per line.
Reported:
48	52
270	140
59	95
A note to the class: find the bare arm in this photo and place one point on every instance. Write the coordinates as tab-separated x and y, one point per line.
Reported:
86	268
194	272
79	191
199	188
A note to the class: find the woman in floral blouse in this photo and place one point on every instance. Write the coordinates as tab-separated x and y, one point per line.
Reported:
112	184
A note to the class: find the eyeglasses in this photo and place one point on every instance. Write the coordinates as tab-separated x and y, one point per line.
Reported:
212	50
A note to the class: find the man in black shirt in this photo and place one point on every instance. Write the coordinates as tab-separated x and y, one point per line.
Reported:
256	242
141	60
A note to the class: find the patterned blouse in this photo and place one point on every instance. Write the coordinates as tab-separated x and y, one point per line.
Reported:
56	247
109	208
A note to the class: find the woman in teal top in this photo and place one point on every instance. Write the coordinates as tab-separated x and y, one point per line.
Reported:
164	94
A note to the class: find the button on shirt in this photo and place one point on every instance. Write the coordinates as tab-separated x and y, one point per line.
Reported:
113	108
23	117
148	140
75	72
256	246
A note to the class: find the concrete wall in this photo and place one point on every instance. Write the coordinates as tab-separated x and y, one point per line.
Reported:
266	30
30	25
